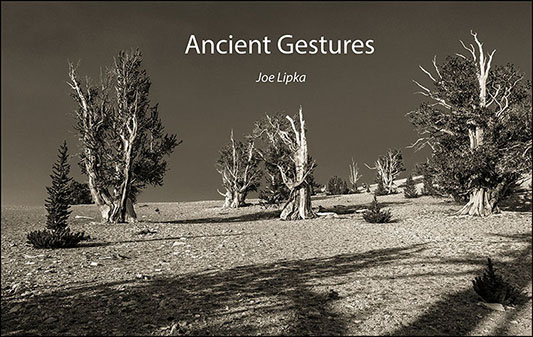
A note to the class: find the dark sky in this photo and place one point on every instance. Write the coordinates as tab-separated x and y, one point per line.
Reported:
354	105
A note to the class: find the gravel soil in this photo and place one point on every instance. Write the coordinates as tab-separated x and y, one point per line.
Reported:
194	268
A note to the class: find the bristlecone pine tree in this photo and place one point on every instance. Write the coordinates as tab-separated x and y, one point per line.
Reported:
410	188
239	167
375	214
388	167
493	289
477	123
57	234
122	137
289	133
354	177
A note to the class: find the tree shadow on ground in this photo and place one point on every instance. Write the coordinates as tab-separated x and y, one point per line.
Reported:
273	298
172	238
351	209
151	239
265	215
459	314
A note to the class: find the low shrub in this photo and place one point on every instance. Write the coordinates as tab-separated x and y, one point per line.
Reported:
61	238
337	185
493	288
375	214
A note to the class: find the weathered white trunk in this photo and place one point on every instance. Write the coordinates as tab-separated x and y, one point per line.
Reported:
100	196
234	200
482	203
354	176
237	179
298	207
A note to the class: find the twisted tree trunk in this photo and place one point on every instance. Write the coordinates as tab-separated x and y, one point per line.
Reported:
483	201
298	206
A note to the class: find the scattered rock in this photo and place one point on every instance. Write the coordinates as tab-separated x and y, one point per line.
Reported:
493	306
50	320
142	276
83	217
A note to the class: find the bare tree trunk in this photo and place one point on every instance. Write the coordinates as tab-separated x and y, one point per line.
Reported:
234	200
298	207
388	167
482	203
236	178
103	206
482	200
238	200
354	176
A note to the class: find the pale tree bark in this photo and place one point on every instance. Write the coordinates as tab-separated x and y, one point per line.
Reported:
115	206
354	176
123	207
298	206
91	118
388	167
237	179
483	200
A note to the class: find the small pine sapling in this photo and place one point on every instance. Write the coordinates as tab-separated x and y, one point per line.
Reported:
410	188
58	202
375	214
57	234
493	288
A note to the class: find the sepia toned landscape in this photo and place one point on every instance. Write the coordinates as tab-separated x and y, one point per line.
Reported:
157	180
193	269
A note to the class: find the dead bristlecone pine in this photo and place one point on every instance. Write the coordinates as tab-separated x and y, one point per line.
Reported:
492	288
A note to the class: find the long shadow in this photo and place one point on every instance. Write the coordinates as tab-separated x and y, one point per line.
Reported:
458	312
272	214
342	209
273	298
266	215
177	238
351	209
172	238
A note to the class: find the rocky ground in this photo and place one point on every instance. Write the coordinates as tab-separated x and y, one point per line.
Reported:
194	268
